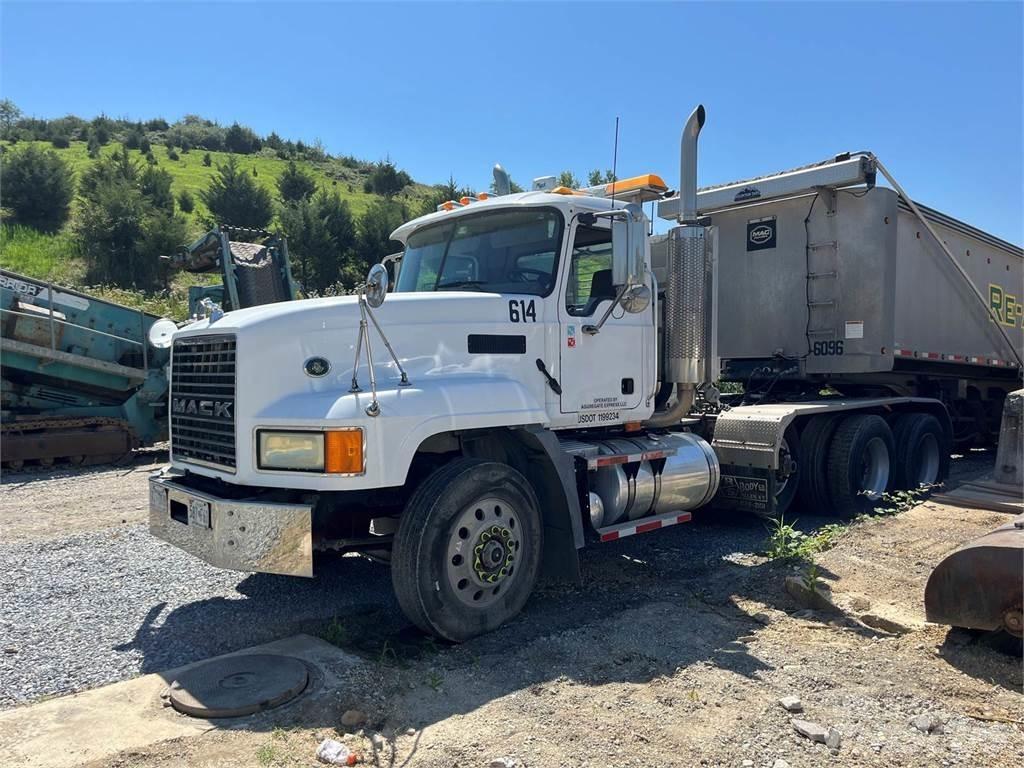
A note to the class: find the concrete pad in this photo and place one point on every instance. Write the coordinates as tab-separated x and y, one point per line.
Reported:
92	725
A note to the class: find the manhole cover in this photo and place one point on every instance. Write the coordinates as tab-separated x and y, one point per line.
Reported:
238	685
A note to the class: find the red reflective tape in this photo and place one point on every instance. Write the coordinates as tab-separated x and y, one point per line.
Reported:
610	536
958	358
654	455
684	518
903	352
995	362
645	527
930	355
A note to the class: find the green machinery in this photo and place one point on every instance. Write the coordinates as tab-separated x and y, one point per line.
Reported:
254	268
84	380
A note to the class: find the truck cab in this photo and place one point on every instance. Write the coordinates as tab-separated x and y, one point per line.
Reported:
551	260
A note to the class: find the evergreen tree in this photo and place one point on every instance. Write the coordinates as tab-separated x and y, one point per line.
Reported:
321	233
373	232
568	179
37	187
295	184
156	185
234	197
595	177
385	179
123	233
186	202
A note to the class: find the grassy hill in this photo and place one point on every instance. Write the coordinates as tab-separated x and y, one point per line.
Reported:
56	257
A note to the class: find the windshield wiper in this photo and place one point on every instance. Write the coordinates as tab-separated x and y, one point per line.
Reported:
460	284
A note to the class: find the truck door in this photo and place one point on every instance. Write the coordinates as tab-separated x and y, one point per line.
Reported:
602	374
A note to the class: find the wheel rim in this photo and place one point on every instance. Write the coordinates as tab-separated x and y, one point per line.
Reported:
782	478
927	461
483	551
875	478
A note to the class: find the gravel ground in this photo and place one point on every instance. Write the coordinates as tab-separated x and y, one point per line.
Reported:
98	607
673	653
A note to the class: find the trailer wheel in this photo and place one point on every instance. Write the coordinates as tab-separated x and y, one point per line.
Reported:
467	551
812	494
922	457
859	464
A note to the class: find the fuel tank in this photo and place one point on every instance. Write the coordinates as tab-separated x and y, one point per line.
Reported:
684	481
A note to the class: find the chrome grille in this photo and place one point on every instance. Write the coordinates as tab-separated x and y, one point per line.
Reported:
203	400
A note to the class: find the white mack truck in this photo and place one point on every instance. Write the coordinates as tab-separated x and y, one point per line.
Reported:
544	376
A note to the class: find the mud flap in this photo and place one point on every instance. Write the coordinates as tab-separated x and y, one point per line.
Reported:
747	489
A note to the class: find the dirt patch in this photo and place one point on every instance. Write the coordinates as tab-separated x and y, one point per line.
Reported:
669	670
47	504
675	652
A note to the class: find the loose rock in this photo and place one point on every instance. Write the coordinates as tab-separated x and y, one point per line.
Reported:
810	730
833	739
503	762
875	621
353	717
927	722
791	704
780	763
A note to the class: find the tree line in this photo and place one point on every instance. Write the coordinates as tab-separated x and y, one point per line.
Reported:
126	215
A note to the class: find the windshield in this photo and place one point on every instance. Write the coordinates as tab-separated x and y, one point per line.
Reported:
502	251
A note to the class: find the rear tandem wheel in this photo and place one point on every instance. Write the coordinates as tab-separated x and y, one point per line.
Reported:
859	464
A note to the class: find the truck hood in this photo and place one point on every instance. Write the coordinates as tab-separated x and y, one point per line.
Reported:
343	312
469	364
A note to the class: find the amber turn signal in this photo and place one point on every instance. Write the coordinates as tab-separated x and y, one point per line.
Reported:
343	451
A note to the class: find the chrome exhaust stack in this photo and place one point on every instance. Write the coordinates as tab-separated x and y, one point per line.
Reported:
688	166
688	301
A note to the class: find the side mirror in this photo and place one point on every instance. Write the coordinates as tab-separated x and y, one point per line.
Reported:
620	251
376	285
628	238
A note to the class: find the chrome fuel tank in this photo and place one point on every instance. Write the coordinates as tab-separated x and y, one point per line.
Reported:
684	481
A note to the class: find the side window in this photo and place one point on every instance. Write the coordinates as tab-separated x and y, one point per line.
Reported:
590	270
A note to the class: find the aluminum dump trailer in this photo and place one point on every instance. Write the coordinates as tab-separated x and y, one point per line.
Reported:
824	278
82	381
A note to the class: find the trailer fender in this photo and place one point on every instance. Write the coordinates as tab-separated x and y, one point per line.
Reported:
751	435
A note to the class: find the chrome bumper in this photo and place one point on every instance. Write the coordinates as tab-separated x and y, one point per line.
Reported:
239	535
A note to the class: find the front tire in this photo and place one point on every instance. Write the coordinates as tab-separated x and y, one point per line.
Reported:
467	551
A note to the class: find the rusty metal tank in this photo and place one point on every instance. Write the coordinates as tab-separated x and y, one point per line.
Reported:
981	585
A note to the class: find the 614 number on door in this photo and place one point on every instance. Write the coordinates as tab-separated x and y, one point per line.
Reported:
522	311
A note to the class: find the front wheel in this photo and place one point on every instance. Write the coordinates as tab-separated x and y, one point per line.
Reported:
467	550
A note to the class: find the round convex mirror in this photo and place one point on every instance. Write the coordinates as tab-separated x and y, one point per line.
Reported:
376	285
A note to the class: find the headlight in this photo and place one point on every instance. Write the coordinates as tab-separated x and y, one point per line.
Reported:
333	452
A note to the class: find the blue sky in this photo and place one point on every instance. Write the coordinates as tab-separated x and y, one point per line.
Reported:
934	89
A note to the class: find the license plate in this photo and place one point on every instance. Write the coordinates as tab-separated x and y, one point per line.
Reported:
199	513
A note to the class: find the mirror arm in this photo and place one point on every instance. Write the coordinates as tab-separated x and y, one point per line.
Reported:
592	330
